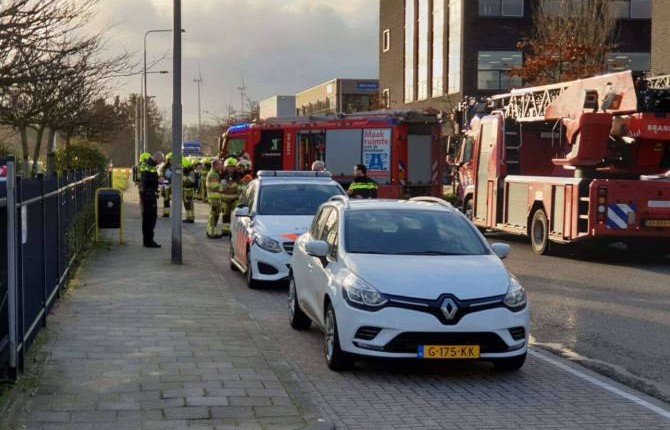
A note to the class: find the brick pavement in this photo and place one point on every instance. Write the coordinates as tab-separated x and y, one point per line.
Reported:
383	395
142	343
203	351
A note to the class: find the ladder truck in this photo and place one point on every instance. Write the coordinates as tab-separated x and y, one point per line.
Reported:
573	162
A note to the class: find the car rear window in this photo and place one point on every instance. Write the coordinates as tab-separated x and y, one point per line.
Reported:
411	232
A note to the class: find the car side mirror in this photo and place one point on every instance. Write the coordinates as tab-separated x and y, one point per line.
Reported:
501	250
317	248
242	212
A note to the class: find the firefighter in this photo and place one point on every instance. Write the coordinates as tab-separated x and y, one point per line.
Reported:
214	188
188	190
165	174
207	166
246	175
362	187
229	181
149	196
197	174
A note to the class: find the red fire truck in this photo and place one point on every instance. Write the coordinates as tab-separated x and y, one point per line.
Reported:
577	161
401	149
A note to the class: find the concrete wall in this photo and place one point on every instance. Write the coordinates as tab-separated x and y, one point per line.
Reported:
660	37
277	106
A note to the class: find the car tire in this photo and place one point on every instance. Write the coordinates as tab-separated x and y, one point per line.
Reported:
539	233
296	317
511	364
251	282
336	359
231	254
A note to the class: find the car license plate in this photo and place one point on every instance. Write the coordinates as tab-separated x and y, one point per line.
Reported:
448	351
657	223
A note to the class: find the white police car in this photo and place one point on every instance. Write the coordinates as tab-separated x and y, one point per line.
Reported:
274	210
406	279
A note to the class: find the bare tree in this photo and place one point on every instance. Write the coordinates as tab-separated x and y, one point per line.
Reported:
54	70
570	40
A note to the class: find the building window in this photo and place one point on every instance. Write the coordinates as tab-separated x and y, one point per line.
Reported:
455	38
635	9
438	48
493	70
386	40
409	50
501	8
386	98
422	68
635	61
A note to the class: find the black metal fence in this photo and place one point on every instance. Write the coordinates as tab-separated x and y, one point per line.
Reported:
39	241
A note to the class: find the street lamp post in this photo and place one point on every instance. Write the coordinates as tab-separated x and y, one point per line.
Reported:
145	139
176	136
139	139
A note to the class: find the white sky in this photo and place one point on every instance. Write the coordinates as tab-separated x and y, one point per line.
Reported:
279	46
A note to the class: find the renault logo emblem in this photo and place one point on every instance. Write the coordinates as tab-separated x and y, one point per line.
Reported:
449	308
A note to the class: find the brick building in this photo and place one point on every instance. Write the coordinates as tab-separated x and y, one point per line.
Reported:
432	52
660	37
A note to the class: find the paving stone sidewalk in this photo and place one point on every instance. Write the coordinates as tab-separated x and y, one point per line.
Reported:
144	344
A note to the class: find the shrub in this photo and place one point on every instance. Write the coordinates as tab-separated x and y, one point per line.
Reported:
5	150
81	155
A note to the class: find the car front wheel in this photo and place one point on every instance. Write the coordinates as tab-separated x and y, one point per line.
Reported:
251	282
336	359
510	364
296	316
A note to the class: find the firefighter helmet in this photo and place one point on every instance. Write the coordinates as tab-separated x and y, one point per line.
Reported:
230	162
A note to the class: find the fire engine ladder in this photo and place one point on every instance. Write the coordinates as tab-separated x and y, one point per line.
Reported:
528	104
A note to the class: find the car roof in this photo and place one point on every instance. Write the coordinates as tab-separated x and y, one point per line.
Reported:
294	177
296	181
421	203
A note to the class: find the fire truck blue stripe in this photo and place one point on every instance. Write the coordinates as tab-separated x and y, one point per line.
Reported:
620	212
616	218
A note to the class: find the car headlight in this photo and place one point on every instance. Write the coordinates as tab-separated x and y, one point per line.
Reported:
267	243
359	293
515	299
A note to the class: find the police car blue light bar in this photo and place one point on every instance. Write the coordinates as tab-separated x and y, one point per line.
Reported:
293	174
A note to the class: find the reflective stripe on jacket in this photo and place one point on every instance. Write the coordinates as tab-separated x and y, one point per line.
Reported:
213	185
365	188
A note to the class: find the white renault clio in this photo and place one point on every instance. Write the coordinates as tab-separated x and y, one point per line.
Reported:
273	211
406	279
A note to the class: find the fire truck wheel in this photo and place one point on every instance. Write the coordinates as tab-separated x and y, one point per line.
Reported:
539	232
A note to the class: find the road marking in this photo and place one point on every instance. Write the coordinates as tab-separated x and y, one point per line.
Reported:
612	389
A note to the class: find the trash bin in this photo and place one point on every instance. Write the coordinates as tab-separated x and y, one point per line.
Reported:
108	210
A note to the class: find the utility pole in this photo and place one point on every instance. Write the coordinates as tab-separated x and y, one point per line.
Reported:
243	94
145	139
198	81
175	213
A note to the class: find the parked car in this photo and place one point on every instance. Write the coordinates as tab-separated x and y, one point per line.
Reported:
275	209
406	279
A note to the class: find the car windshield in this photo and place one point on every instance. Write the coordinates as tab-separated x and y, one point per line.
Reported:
294	199
410	232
